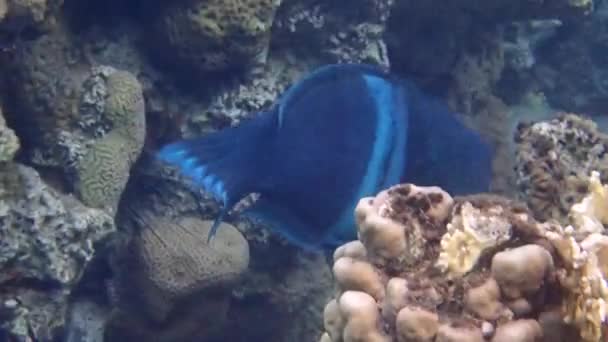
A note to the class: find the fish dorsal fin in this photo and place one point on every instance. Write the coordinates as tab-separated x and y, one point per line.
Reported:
322	74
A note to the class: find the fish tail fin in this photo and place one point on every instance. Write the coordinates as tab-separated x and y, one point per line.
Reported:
227	164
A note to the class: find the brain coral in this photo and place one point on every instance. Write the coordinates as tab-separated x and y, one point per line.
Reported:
104	170
483	270
214	35
86	121
554	159
171	275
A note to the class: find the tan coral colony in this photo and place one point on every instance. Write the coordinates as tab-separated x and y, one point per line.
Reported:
430	267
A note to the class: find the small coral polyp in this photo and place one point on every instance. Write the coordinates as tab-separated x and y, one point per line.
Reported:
429	267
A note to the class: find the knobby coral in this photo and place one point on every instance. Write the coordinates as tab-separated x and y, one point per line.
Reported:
429	267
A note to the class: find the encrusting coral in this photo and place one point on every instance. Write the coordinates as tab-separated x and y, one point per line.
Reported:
216	35
429	267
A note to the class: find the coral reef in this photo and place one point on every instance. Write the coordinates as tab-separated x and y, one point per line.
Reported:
524	39
460	26
18	15
211	36
570	68
104	170
85	322
473	78
47	239
45	78
335	32
172	285
255	94
83	95
9	144
429	267
88	121
296	291
554	159
461	48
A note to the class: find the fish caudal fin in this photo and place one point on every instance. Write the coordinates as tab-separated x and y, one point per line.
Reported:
226	164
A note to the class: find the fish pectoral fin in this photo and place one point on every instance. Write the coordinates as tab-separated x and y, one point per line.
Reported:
285	223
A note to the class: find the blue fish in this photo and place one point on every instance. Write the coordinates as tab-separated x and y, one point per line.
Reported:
341	133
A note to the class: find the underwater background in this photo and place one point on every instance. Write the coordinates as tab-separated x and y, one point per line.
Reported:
102	241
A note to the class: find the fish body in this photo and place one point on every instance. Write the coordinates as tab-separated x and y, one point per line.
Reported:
341	133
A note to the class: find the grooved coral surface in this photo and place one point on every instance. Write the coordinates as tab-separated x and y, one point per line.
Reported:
177	259
124	107
104	170
172	284
173	261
